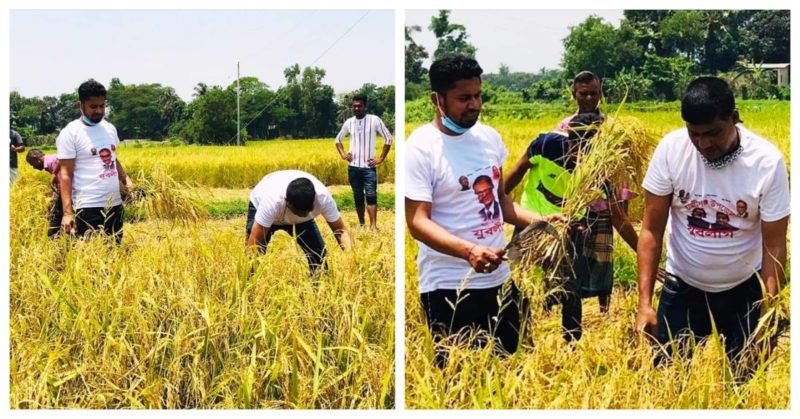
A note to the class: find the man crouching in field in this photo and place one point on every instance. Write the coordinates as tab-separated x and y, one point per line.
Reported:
89	169
455	208
289	200
49	163
725	191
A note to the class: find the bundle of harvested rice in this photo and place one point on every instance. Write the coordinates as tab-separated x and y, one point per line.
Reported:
160	197
618	154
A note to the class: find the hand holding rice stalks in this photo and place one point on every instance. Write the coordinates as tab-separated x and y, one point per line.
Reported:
617	154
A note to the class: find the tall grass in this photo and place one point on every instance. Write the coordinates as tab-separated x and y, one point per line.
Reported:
174	318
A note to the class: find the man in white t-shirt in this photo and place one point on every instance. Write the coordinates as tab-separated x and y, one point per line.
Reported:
89	168
362	170
289	200
724	192
464	281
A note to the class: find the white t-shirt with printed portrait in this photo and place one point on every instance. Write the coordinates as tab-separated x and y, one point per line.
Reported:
269	198
714	231
95	180
460	177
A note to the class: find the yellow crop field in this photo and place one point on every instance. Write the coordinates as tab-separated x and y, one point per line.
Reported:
179	316
610	367
243	167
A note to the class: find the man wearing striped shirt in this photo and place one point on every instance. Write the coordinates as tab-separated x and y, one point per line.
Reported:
362	170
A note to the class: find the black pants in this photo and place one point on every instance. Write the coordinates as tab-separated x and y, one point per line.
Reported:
107	220
475	310
306	235
55	215
683	308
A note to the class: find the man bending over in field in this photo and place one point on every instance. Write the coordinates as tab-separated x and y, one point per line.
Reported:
289	200
49	163
589	271
362	169
700	179
89	168
463	280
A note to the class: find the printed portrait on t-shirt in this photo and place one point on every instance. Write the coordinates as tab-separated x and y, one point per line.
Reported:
108	157
723	222
715	217
683	196
464	182
484	191
741	209
697	218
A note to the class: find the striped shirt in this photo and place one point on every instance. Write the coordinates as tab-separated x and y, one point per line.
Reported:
362	137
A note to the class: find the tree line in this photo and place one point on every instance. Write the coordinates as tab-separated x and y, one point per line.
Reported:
305	107
652	55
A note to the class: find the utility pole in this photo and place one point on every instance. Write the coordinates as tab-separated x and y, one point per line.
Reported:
238	111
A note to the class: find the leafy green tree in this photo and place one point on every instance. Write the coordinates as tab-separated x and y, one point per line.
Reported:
451	37
213	118
415	55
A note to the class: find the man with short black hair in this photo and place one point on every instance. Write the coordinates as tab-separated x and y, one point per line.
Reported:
362	168
715	270
587	92
17	146
463	279
90	181
289	200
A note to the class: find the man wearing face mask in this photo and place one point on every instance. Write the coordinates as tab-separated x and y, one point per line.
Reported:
289	200
718	274
463	280
362	168
90	187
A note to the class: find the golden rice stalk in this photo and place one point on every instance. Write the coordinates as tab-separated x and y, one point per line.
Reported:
160	197
619	153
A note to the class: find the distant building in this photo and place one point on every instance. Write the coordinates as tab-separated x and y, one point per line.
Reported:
781	71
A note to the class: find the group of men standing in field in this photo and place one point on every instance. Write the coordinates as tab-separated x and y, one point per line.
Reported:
88	182
457	201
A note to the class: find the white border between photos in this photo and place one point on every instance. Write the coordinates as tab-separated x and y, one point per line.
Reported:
399	7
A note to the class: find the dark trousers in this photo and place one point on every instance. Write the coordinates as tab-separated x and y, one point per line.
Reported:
683	308
107	220
306	235
475	310
364	181
55	215
568	294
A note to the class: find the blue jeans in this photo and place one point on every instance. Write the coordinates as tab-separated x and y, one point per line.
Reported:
306	235
364	181
683	308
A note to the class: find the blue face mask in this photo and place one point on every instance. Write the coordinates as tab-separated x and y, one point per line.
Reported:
450	124
88	121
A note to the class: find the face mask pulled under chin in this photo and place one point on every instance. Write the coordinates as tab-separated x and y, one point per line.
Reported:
447	122
88	121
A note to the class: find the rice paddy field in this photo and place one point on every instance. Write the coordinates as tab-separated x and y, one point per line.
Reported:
243	167
179	316
611	367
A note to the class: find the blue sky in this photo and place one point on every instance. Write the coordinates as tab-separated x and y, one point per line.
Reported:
525	40
54	51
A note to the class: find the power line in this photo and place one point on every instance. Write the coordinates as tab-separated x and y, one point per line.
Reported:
277	95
